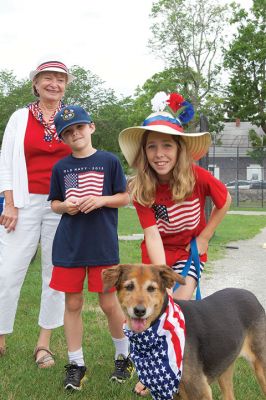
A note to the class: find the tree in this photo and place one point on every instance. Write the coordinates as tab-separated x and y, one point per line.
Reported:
88	90
258	152
110	114
111	119
172	80
8	82
246	61
187	35
14	94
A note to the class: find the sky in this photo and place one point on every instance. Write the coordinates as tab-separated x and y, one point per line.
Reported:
107	37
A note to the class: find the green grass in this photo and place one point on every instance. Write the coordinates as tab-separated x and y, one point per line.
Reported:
21	380
128	222
245	208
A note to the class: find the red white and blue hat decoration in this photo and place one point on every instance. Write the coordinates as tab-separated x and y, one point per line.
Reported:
52	66
171	123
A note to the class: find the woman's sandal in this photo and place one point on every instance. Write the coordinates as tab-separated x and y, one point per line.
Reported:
45	361
2	351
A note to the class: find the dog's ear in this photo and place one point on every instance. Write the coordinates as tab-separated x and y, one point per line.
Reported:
112	276
169	277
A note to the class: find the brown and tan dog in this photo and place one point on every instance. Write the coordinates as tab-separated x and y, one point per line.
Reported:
220	328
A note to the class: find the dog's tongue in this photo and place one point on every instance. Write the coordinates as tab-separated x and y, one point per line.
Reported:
138	324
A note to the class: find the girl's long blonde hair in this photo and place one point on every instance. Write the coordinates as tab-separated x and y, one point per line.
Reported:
142	186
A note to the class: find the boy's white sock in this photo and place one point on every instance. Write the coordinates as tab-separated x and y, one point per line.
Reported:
76	357
121	346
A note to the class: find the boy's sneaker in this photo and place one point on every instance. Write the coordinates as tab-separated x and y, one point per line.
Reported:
124	369
75	375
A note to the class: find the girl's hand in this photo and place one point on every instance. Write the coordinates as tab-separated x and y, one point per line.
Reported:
9	217
202	245
90	203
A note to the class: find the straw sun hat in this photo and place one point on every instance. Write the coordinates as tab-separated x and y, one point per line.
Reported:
165	122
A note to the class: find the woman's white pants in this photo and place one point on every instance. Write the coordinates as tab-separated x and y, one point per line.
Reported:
36	222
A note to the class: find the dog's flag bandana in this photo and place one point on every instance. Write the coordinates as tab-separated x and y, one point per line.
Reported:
158	352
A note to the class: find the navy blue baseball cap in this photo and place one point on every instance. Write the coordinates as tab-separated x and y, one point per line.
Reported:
70	115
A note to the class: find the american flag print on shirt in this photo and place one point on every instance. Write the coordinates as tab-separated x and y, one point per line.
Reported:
79	184
158	353
178	217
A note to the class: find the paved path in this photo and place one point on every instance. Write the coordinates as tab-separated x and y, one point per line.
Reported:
135	236
244	267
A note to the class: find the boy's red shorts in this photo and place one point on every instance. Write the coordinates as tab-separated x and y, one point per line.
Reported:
71	280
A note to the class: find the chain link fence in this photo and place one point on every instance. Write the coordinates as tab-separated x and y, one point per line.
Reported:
243	170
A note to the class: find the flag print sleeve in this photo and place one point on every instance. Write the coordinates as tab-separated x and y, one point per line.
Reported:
146	215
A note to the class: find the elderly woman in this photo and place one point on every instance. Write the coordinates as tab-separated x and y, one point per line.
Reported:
30	149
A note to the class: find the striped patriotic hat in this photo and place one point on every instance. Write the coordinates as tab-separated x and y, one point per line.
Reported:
165	122
53	66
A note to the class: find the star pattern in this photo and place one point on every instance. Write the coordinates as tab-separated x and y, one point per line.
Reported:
160	212
155	355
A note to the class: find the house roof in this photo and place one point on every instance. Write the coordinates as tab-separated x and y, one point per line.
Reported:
234	140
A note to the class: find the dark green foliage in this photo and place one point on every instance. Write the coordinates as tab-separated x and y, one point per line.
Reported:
246	60
258	153
188	35
14	94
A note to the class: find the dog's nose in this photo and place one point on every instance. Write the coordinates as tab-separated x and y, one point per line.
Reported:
139	311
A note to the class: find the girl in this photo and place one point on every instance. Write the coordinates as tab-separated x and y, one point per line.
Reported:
169	190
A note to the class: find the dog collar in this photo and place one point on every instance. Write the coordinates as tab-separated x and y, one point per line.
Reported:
158	352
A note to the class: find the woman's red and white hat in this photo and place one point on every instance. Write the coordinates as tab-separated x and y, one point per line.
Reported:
53	66
198	143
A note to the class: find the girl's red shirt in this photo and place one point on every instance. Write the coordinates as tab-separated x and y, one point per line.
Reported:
178	223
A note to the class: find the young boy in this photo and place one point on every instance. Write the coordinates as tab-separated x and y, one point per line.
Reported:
87	187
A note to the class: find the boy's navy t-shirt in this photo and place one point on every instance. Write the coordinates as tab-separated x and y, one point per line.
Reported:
87	239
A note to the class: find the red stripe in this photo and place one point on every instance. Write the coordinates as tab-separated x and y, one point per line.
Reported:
55	64
81	193
174	338
166	123
181	321
173	228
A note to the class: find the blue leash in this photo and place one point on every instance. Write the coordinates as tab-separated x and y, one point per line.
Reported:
1	204
194	256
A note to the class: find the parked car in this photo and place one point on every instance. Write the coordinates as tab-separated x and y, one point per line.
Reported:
241	184
258	185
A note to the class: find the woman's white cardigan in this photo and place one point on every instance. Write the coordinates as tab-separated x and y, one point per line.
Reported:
13	170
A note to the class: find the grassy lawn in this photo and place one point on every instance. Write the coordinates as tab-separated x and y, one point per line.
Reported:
251	208
21	380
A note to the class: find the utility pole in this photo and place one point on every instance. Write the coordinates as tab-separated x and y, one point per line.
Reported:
204	162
